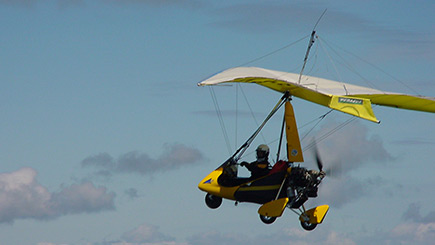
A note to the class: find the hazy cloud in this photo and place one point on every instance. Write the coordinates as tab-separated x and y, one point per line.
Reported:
349	148
412	233
61	4
414	141
218	238
173	157
343	152
283	236
340	191
21	197
148	234
266	16
416	229
81	3
131	193
160	3
413	214
272	17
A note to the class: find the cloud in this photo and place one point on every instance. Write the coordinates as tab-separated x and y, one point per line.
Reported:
161	3
265	17
20	3
273	17
344	190
147	233
22	197
214	237
413	233
131	193
414	141
413	214
350	148
343	152
416	229
62	4
174	156
295	236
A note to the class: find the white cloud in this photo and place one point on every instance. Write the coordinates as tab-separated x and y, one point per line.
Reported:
22	197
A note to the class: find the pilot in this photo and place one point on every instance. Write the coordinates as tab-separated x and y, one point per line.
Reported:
260	167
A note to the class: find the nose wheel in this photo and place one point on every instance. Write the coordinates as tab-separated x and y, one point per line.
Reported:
308	226
212	201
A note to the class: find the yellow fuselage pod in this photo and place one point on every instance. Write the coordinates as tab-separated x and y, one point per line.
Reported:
316	215
210	185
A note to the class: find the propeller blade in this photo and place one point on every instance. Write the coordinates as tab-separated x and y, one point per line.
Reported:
332	170
318	160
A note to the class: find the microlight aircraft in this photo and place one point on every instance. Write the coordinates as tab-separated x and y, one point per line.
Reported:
288	185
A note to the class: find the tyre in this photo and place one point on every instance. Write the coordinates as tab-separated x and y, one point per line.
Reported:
267	220
212	201
308	226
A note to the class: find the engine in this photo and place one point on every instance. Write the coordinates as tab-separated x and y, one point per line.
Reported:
305	181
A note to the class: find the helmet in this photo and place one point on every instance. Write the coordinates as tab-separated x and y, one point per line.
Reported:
262	151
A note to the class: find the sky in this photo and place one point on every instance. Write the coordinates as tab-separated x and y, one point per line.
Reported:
105	134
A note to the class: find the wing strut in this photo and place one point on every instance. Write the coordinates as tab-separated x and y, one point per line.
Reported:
238	154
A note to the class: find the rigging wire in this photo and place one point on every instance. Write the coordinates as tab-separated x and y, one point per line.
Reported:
319	120
326	135
335	67
273	52
347	65
252	112
237	115
379	69
216	104
221	121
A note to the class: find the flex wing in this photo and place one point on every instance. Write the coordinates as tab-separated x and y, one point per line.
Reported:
348	98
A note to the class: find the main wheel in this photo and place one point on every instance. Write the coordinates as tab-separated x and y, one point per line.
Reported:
308	226
267	219
213	201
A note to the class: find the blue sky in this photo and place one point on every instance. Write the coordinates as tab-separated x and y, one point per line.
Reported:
105	135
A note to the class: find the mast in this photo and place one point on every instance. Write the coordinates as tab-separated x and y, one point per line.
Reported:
310	44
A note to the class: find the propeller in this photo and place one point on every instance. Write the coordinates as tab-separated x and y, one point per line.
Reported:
318	160
317	155
333	170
